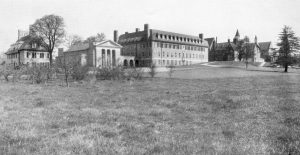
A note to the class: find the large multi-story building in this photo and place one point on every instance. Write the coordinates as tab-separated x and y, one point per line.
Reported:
162	48
25	52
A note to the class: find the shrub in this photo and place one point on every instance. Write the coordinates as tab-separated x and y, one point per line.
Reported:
79	71
9	70
106	73
136	73
6	71
39	74
152	70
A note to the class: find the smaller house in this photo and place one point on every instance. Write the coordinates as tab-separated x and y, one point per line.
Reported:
23	51
98	54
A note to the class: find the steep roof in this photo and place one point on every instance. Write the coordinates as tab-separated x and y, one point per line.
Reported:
159	35
23	44
265	46
79	47
209	40
224	46
237	34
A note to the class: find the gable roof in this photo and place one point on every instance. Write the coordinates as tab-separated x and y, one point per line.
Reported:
265	46
237	34
224	46
108	43
23	44
79	47
209	40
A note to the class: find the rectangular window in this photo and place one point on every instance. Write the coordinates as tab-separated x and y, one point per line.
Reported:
41	55
170	45
158	44
166	45
33	55
48	55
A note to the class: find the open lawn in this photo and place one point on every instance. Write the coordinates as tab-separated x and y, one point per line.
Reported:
213	114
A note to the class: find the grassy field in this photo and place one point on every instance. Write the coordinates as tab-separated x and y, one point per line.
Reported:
214	114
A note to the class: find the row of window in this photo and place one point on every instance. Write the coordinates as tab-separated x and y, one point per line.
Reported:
176	46
133	53
180	55
139	46
172	62
34	55
12	56
177	38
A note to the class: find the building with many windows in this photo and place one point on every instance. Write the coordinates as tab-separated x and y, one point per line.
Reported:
162	48
24	52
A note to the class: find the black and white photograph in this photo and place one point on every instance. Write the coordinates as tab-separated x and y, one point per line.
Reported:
150	77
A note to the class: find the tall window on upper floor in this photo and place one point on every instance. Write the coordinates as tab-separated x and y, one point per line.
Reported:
41	55
48	55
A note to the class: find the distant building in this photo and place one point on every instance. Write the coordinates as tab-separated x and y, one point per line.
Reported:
24	52
162	48
98	54
227	51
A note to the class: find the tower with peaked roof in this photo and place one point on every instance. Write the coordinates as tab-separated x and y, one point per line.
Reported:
236	37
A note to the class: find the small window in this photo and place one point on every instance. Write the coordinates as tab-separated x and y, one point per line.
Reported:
41	55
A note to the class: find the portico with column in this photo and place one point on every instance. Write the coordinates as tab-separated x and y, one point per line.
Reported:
107	54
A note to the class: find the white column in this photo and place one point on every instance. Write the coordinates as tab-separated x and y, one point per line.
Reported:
111	64
105	59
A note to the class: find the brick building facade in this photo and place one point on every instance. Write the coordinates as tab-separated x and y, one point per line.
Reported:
162	48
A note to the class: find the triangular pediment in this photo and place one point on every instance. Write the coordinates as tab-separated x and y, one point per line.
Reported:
108	43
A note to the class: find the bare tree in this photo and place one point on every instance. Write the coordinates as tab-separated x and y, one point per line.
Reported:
65	66
97	38
48	32
73	40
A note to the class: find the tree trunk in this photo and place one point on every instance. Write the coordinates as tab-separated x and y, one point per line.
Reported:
285	68
50	59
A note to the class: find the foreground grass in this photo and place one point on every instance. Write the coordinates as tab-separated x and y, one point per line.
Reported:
244	115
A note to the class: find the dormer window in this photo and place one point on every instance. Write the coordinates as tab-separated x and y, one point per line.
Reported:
33	45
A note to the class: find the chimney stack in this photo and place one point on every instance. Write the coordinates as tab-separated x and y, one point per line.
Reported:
60	51
229	41
137	29
201	36
116	36
146	27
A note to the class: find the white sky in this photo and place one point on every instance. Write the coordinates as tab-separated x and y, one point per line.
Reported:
220	18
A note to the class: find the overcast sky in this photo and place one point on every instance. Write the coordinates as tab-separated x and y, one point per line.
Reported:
221	18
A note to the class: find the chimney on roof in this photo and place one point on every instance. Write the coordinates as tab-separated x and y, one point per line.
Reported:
201	37
126	32
116	36
146	27
60	51
255	39
229	41
137	29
